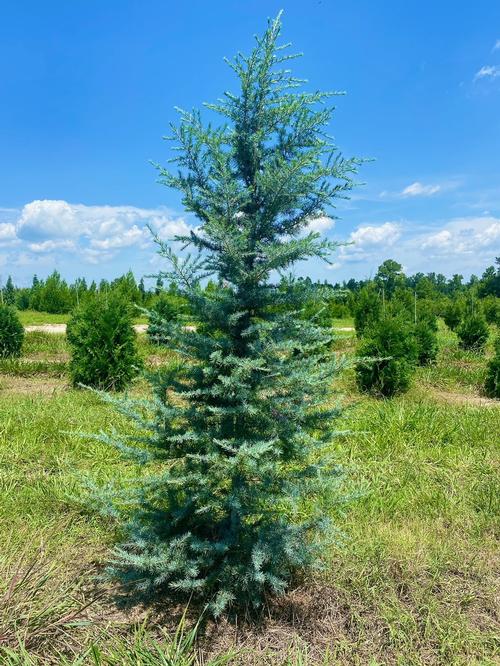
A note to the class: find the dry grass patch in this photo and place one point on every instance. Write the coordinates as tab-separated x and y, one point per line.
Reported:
32	386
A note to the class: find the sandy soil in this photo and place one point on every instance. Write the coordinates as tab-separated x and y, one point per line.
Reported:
140	328
61	328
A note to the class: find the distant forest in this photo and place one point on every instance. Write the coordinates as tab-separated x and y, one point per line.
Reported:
56	295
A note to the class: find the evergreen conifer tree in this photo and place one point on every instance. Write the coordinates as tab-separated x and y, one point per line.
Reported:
492	382
238	430
453	314
387	357
367	308
11	332
9	294
473	332
103	343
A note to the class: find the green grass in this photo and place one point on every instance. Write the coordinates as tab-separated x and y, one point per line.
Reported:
413	581
44	344
346	322
34	318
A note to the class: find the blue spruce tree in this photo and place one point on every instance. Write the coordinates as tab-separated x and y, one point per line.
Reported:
236	436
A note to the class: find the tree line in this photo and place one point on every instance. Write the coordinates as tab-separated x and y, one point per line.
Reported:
342	299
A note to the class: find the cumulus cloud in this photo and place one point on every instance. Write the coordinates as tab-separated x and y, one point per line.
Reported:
7	231
95	232
321	224
382	235
92	256
417	189
367	242
51	245
132	236
460	245
49	219
487	72
464	236
440	239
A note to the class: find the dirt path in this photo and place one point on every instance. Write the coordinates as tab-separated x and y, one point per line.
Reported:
140	328
61	328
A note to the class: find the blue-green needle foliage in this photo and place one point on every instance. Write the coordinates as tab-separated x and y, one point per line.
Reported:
237	434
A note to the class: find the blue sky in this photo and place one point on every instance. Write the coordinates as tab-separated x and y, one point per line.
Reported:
88	88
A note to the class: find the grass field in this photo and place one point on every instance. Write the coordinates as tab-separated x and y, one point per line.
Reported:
413	581
35	318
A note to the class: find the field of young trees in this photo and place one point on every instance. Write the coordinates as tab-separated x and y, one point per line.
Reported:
269	470
411	573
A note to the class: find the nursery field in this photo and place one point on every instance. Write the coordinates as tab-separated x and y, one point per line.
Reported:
413	577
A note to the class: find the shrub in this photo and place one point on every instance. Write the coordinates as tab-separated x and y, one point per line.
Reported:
391	344
367	308
427	343
339	310
473	332
102	342
11	332
452	314
166	309
492	383
491	309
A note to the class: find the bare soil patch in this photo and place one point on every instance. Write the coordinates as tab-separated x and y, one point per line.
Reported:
465	399
32	385
61	328
46	328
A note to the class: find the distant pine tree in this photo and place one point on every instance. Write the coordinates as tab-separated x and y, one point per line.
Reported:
453	314
492	382
388	356
240	427
473	332
367	308
11	332
9	292
142	290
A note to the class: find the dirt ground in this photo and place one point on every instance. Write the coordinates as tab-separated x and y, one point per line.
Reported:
139	328
465	399
61	328
32	385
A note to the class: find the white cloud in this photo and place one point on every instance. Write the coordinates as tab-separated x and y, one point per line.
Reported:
487	71
92	256
385	234
42	219
51	245
7	231
97	233
490	235
464	236
460	245
496	46
132	236
367	242
440	239
417	189
321	224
